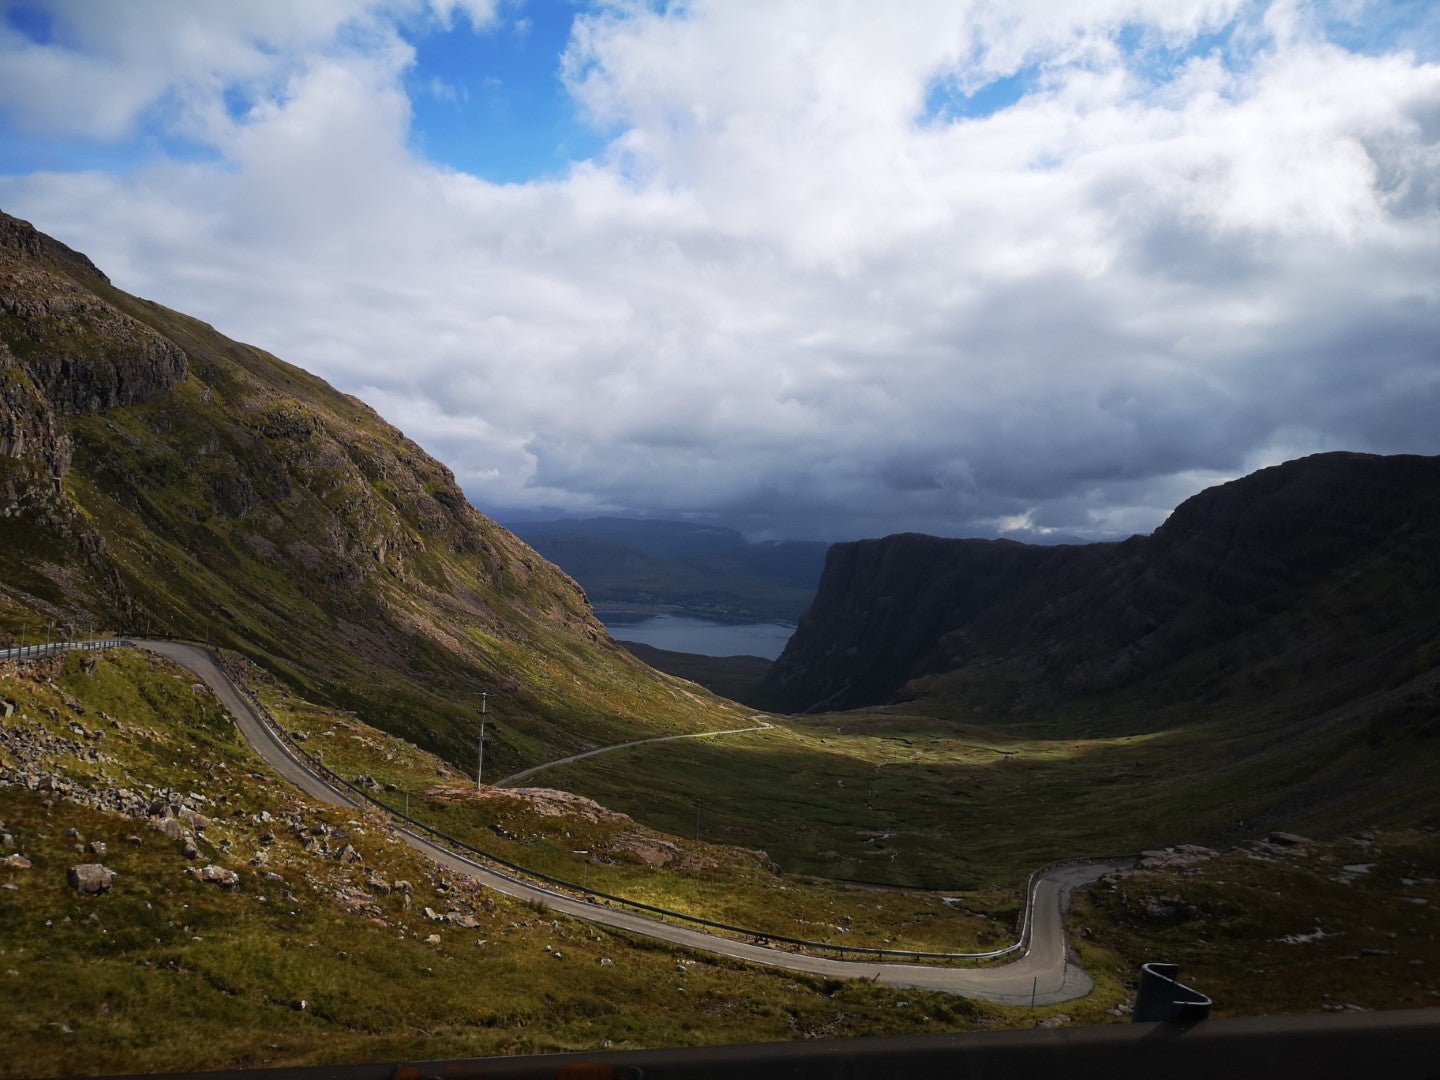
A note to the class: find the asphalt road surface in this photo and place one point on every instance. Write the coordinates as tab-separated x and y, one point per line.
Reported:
1044	971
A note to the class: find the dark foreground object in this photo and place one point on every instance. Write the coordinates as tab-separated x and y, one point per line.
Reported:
1161	996
1398	1045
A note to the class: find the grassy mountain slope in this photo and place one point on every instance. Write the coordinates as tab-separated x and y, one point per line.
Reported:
162	477
734	677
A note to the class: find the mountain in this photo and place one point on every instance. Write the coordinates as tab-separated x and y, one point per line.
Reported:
157	476
1318	578
701	569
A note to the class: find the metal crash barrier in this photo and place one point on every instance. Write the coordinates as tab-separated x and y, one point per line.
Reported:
1401	1045
1161	997
56	648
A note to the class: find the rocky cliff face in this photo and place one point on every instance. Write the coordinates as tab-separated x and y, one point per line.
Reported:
29	428
894	616
82	352
63	351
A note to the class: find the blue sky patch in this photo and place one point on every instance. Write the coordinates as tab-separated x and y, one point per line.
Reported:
1410	25
945	102
31	20
491	103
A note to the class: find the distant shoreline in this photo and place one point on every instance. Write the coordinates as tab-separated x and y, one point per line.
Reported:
621	608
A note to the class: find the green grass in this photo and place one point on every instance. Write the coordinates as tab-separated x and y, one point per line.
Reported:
1236	926
165	972
896	796
727	883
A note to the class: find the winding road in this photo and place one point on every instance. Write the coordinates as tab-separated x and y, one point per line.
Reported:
1044	974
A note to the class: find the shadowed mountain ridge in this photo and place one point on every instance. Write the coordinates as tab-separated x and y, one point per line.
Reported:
1060	622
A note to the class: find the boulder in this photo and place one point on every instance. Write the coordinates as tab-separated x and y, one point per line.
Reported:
170	826
218	875
91	878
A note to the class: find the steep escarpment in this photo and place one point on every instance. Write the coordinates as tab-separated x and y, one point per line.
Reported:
157	476
81	351
1301	560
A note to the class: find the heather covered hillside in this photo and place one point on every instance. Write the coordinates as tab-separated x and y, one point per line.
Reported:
158	476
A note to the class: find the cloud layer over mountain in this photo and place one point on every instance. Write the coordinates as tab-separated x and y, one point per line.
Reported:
837	272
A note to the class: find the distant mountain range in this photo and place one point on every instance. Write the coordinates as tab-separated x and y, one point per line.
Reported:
703	570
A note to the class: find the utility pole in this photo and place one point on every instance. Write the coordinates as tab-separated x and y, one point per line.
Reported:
480	765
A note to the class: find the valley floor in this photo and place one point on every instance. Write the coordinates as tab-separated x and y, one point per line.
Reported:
336	942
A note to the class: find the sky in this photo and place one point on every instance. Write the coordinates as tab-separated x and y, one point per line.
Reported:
812	270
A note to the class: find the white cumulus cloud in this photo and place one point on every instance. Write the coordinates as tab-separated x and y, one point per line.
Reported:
792	292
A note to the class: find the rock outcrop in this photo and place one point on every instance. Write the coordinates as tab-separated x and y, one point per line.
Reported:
81	351
21	238
91	878
29	428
